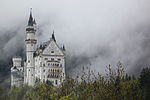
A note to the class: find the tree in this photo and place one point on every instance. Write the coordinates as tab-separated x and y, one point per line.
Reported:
144	80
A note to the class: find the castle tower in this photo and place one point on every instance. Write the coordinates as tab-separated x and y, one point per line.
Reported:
30	49
17	72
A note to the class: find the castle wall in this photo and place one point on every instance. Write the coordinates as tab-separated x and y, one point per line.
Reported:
50	68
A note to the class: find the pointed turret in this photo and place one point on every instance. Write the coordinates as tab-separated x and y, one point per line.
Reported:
30	22
34	22
64	48
53	36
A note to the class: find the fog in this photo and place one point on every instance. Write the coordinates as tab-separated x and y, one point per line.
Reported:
95	32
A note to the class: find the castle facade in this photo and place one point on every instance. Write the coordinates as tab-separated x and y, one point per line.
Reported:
43	63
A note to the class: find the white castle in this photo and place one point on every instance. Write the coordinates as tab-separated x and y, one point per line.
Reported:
44	63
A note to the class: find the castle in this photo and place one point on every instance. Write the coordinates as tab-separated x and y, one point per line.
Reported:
44	63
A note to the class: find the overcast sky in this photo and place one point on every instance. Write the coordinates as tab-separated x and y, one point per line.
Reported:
102	31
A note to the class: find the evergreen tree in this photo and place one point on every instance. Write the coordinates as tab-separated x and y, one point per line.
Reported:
145	82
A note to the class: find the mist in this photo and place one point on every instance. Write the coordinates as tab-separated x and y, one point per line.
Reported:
95	32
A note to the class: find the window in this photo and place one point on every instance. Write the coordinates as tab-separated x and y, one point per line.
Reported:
43	64
52	59
44	70
59	59
45	58
56	82
28	61
52	51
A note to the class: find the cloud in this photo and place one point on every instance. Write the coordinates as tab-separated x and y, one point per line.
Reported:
96	31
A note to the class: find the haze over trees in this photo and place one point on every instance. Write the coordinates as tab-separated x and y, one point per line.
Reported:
115	85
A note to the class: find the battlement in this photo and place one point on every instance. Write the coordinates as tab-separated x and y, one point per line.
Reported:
17	61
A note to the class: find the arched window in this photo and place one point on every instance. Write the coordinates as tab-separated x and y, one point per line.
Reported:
56	82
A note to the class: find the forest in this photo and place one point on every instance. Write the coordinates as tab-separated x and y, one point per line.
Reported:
116	84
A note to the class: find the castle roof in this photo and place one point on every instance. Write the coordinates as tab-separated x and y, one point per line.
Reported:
31	21
43	46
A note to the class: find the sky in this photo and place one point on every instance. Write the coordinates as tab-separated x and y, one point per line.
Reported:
96	33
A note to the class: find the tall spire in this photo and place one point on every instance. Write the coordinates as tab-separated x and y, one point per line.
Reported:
30	22
53	36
